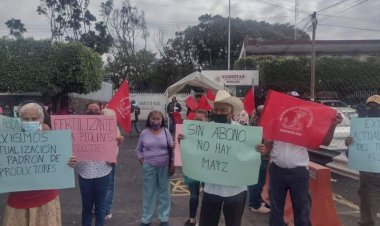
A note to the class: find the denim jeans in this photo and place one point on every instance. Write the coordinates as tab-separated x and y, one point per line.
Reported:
156	182
296	181
136	126
369	193
233	208
194	198
110	190
255	190
93	192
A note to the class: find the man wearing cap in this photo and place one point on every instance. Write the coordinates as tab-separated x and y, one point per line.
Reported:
288	171
369	189
230	198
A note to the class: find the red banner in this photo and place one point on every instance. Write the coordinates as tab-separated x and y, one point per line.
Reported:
204	104
249	102
295	121
121	105
191	103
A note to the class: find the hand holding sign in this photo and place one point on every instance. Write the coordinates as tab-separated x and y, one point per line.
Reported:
364	145
35	161
221	153
94	136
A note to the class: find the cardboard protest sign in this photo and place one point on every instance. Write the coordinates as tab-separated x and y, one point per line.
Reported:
364	153
177	153
94	136
35	161
9	124
221	153
295	121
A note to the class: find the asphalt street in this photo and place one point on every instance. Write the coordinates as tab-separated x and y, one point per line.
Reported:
128	197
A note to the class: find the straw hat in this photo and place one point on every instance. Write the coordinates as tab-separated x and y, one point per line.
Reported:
374	98
222	96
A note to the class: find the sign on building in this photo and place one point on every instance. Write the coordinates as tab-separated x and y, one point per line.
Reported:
234	77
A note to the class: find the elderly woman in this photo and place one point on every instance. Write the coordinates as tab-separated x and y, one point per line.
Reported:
34	208
153	154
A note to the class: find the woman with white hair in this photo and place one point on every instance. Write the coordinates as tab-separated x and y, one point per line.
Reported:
34	208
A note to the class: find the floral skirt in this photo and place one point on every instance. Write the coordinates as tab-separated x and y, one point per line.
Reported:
45	215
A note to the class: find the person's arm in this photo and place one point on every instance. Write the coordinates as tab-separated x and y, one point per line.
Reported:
139	149
119	137
330	133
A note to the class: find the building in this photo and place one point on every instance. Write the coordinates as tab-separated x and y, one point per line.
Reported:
360	49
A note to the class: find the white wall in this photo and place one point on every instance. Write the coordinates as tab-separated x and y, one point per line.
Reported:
156	101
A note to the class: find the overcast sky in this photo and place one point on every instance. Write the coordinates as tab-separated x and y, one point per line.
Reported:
173	15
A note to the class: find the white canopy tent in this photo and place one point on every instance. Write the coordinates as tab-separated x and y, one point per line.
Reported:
193	79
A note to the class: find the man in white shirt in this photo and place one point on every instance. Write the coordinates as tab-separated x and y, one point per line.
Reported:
230	198
288	171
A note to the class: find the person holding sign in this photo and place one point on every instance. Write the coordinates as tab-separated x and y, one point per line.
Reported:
217	197
194	185
93	177
34	208
153	154
288	171
111	184
369	189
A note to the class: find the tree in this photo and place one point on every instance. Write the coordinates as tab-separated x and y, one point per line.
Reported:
16	28
51	69
68	19
205	45
124	24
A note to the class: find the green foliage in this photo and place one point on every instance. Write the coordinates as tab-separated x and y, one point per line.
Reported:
37	66
205	44
343	76
16	28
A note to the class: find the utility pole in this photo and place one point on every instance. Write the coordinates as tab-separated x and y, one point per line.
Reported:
312	88
295	18
229	34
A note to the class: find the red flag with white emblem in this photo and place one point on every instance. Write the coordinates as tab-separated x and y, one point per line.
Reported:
292	120
121	105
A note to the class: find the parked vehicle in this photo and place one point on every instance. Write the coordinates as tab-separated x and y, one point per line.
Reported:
339	105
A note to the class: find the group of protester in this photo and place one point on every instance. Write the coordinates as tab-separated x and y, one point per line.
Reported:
96	180
288	170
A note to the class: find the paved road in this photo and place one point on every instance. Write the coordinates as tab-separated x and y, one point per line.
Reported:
128	199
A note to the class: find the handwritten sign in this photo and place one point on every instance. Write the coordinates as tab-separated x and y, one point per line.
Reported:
177	152
8	124
94	136
35	161
221	153
364	153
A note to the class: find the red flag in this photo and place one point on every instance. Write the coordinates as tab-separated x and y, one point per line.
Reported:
295	121
249	101
191	103
191	116
210	95
204	104
121	105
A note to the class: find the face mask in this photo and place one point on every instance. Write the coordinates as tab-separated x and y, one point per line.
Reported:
93	113
373	113
155	124
220	118
30	127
